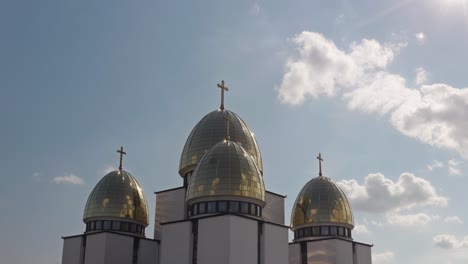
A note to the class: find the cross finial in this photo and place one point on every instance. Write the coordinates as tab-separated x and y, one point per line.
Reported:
223	88
319	157
122	152
228	119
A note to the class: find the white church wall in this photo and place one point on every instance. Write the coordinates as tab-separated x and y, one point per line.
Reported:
170	206
119	249
363	254
95	248
176	241
294	253
72	250
330	251
243	240
321	252
213	244
148	252
344	251
274	247
227	239
274	208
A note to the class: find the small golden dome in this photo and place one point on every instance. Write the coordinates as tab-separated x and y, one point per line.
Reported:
210	130
227	171
321	201
117	195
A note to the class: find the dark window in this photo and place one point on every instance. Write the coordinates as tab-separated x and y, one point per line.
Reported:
133	228
316	231
244	208
222	206
115	225
301	232
234	206
324	230
92	225
211	207
333	231
252	208
124	226
107	225
341	231
195	209
307	232
201	208
98	225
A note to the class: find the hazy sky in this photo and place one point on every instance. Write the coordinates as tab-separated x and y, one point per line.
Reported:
378	87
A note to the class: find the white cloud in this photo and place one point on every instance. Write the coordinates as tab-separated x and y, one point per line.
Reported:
379	194
434	114
385	257
420	37
453	220
435	164
68	179
36	176
450	241
421	76
454	168
360	230
409	219
255	9
339	19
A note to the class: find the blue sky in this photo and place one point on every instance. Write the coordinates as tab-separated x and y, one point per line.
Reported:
377	86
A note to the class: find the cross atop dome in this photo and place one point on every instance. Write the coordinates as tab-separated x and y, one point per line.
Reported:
223	88
319	157
122	152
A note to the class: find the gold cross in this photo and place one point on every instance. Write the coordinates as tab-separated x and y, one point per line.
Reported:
228	118
320	164
121	155
223	88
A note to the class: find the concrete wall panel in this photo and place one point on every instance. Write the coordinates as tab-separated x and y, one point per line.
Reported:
72	250
274	248
148	252
294	254
274	209
176	243
170	206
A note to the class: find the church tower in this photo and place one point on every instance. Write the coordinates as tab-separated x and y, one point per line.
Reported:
222	213
116	215
322	221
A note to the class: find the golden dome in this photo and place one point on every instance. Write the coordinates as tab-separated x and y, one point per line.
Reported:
321	201
227	171
117	196
212	129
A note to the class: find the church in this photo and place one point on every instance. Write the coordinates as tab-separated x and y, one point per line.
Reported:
221	214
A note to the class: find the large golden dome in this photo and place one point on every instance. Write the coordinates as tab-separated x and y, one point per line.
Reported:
210	130
321	201
227	171
117	196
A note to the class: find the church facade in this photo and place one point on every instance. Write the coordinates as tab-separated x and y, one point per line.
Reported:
222	213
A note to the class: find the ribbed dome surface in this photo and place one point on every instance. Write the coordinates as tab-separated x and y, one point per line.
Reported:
212	129
321	201
228	171
117	196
